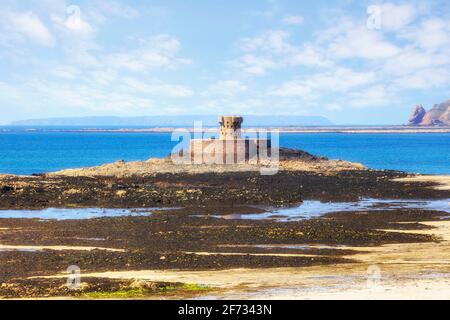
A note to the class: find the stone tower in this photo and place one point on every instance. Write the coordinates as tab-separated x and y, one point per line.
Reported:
231	148
230	127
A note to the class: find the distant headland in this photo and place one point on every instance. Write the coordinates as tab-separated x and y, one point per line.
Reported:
438	115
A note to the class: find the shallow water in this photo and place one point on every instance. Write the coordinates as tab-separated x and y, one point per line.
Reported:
73	213
20	250
311	209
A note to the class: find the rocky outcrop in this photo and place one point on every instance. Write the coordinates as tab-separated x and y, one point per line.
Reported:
417	115
296	154
290	160
439	115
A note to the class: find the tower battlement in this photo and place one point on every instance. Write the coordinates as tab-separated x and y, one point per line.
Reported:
230	127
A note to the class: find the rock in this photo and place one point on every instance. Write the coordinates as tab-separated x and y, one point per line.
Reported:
439	115
121	193
6	189
142	284
417	115
295	154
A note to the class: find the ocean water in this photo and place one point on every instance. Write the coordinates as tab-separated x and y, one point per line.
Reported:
28	152
427	153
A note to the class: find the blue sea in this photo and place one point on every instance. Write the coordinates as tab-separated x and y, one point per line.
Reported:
39	151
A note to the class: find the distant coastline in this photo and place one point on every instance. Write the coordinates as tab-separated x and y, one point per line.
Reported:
167	124
175	121
319	129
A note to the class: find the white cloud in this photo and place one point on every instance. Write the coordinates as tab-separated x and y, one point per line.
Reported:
347	40
115	8
294	88
337	80
360	42
66	72
157	51
310	55
395	17
81	76
273	50
374	96
293	20
254	65
8	93
29	25
420	61
273	41
84	20
424	62
74	23
77	97
425	79
432	34
103	76
412	60
156	88
227	88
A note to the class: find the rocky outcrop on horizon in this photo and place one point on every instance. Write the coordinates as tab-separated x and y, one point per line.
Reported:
438	115
417	115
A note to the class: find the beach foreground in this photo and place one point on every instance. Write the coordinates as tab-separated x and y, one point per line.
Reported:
199	235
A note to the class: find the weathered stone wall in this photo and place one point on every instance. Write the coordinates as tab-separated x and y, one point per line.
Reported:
229	151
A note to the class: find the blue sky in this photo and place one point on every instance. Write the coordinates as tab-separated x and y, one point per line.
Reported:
354	62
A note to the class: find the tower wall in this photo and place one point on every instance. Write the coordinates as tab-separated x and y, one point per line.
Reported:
229	151
230	148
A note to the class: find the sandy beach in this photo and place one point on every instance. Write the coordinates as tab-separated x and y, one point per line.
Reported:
441	182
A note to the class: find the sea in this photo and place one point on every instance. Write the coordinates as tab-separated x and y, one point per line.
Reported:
27	151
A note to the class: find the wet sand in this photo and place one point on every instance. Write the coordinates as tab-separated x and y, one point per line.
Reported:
407	271
441	182
230	257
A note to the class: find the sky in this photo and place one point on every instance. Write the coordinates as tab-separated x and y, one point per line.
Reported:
354	62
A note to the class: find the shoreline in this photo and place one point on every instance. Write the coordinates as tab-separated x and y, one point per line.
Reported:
159	184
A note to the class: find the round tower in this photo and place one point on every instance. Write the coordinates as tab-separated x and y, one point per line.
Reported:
230	127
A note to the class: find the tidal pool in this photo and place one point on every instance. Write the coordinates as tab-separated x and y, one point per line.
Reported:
312	209
73	213
306	210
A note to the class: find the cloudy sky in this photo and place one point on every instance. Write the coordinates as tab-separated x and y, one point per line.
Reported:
354	62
